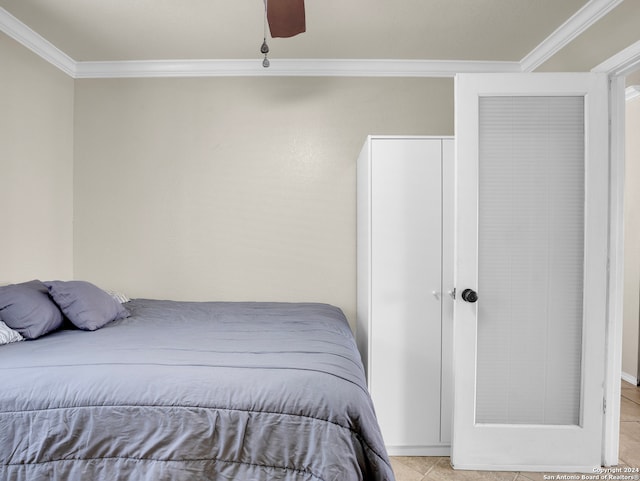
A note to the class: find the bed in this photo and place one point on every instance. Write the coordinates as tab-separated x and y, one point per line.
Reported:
192	391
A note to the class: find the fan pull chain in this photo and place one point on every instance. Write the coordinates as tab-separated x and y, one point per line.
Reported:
264	48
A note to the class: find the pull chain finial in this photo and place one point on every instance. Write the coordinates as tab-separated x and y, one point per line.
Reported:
264	48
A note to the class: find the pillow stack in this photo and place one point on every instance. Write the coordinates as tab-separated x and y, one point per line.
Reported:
33	309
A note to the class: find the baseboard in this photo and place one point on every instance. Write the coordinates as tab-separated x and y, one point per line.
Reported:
542	468
419	450
629	378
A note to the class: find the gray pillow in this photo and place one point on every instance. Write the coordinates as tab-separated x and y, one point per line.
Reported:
28	309
87	306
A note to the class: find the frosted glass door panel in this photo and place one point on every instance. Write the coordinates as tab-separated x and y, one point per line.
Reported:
530	260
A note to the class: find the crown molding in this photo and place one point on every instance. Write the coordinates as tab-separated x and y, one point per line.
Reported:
289	67
17	30
589	14
583	19
622	63
242	67
632	92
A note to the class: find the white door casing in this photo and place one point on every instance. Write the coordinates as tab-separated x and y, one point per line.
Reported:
479	441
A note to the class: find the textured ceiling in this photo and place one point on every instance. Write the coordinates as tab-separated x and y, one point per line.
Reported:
99	30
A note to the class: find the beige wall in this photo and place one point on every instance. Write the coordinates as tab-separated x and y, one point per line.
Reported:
631	311
36	167
633	78
233	188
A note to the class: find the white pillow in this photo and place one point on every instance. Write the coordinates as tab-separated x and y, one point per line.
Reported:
8	335
118	296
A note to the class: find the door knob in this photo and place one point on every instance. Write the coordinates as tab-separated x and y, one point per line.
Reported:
469	295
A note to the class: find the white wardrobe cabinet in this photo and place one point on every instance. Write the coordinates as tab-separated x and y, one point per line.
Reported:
405	268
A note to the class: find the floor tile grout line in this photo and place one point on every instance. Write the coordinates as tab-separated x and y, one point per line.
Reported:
631	400
409	467
431	469
445	459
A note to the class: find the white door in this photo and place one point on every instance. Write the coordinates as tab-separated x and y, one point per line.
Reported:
531	243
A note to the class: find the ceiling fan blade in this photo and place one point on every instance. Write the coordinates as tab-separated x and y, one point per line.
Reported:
286	17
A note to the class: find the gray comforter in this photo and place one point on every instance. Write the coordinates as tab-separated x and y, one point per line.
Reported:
192	391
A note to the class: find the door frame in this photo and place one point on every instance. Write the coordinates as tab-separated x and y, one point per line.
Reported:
617	68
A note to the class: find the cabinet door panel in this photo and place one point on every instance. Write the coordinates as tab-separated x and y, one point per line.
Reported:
448	199
406	248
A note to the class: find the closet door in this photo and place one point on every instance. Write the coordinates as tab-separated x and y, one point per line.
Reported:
531	241
406	285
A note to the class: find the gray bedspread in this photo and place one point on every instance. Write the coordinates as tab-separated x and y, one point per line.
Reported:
192	391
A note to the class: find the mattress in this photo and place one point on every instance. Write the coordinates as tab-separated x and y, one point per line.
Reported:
192	391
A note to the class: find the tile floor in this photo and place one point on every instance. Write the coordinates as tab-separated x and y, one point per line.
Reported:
439	469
